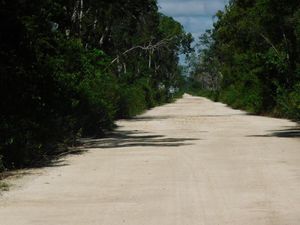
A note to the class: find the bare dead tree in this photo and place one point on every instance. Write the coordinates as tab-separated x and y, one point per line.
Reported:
150	47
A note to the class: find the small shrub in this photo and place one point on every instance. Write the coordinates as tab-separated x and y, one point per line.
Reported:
132	101
288	103
4	186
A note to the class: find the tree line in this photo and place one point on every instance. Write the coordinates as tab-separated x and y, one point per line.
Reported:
69	68
251	57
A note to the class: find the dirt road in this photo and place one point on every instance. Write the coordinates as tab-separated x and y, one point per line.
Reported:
192	162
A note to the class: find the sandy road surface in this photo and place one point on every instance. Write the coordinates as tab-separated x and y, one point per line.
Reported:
193	162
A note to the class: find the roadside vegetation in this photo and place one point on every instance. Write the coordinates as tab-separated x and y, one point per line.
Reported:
3	186
251	58
70	68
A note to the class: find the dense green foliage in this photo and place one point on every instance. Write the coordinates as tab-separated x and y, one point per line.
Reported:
251	58
69	68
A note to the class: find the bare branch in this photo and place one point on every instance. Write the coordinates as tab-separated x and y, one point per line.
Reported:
150	47
269	42
287	47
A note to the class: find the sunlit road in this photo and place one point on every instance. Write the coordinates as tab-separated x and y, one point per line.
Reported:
192	162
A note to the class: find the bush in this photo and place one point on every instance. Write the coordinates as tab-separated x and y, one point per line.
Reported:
132	101
98	105
148	92
288	103
230	96
67	96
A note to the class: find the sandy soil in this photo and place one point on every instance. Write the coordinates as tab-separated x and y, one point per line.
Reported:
192	162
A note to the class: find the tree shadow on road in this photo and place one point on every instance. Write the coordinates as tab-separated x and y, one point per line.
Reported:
157	118
289	132
150	118
122	139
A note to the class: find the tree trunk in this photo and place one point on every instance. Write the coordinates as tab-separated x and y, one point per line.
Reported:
80	16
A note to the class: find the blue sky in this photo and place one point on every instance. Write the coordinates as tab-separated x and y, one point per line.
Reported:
195	15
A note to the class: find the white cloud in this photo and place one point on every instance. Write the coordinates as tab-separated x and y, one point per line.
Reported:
191	8
195	24
195	15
